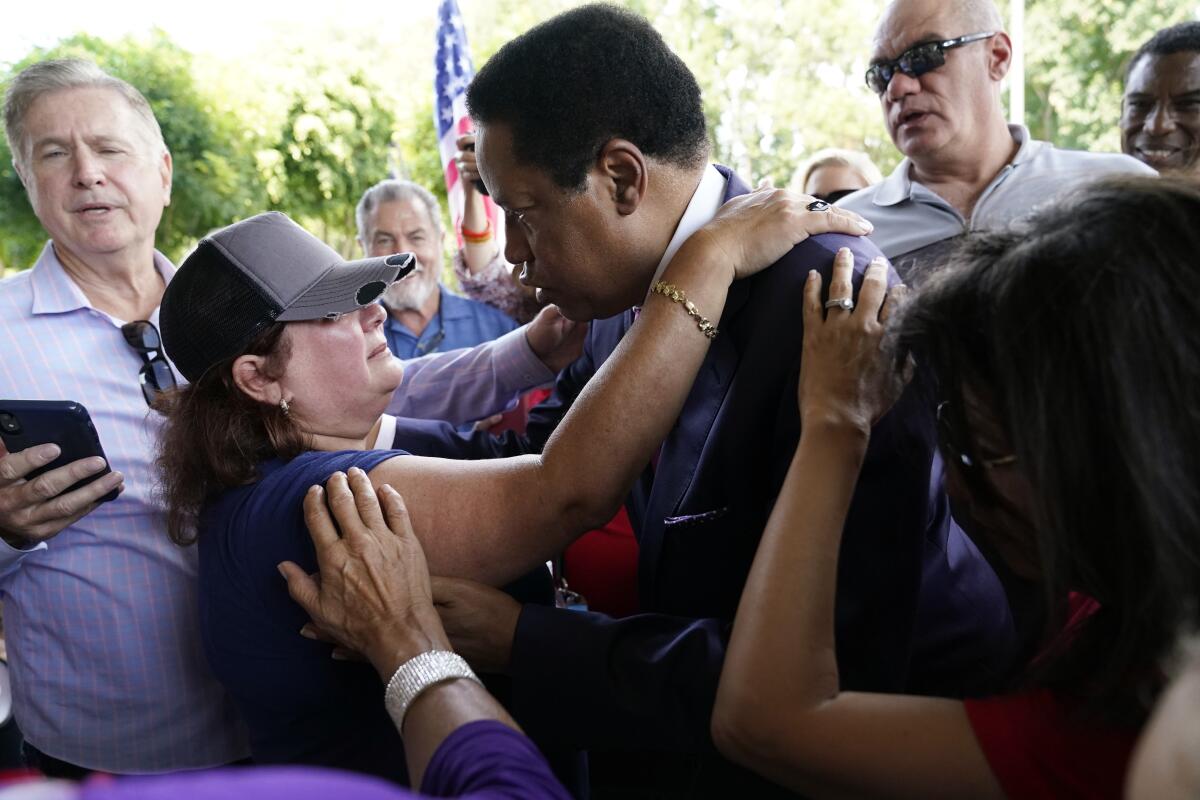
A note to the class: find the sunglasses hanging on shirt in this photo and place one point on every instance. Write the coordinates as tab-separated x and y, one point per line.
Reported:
155	376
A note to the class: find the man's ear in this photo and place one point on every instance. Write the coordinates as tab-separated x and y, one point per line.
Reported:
1000	56
622	166
166	169
250	377
20	175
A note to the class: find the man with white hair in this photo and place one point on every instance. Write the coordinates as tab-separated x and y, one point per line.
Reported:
423	316
99	606
937	67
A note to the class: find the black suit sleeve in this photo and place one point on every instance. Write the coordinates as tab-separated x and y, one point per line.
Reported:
650	681
643	682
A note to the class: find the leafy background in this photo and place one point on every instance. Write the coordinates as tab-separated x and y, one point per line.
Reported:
315	115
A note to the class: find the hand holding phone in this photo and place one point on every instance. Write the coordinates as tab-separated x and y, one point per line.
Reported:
52	469
467	163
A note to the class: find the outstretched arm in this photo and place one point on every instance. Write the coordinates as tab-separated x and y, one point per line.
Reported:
461	386
374	597
779	710
520	511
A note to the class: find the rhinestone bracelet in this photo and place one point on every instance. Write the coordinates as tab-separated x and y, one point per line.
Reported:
418	674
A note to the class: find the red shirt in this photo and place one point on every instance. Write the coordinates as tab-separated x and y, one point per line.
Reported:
1037	747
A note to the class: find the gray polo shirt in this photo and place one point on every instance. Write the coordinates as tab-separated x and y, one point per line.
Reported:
917	229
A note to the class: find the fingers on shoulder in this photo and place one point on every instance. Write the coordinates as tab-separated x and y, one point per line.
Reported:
317	518
301	587
874	288
396	511
840	281
812	299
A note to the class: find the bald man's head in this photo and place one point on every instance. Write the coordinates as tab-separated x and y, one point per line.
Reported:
979	15
954	105
974	15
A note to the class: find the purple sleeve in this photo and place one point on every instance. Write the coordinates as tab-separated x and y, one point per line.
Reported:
487	760
495	286
261	783
484	760
461	386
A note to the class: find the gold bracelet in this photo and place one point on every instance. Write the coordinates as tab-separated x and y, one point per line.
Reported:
672	292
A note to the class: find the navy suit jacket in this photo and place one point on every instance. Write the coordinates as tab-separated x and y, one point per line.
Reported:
649	681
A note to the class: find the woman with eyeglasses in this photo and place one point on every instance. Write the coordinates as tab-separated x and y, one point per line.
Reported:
289	377
1070	386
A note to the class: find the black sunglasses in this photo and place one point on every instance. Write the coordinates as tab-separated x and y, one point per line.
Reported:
917	60
955	444
833	197
156	376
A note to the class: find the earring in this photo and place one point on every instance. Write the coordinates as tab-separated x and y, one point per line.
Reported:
283	406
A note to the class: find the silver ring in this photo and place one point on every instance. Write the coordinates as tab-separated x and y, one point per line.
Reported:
818	205
844	303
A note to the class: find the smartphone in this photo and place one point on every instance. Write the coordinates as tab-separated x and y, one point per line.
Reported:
479	187
28	423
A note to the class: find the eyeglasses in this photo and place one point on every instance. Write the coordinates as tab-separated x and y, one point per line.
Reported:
917	60
156	376
955	444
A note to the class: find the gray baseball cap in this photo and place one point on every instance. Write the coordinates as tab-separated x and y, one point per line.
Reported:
261	270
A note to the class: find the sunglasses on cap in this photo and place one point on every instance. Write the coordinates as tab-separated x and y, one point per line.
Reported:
917	60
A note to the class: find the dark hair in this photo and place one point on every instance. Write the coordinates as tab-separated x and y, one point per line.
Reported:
1181	38
1079	328
215	436
572	83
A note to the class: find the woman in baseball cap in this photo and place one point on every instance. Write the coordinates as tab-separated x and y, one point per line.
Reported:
289	377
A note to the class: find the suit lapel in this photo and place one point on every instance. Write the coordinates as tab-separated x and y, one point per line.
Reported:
683	450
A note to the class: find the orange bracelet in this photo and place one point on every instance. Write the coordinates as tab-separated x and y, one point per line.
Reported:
477	237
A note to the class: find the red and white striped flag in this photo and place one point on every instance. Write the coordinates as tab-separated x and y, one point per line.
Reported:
454	72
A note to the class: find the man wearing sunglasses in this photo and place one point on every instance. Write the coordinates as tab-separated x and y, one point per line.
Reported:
937	68
99	606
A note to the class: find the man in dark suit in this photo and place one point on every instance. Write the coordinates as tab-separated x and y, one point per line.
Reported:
592	139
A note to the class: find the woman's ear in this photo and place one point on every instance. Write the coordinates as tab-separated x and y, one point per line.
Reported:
249	375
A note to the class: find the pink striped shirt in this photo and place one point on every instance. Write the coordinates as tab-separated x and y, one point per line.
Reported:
101	621
106	664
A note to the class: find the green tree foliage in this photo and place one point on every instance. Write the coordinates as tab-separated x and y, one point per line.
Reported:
334	143
318	115
1075	64
215	177
781	78
418	159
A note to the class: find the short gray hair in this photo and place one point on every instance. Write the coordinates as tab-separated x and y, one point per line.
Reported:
393	190
47	77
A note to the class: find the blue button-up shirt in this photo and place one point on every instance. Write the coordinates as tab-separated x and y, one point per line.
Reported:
459	322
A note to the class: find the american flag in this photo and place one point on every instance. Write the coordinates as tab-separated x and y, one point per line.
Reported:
454	72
